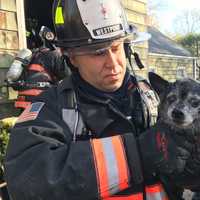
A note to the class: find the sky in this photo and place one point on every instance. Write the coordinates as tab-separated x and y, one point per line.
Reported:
169	9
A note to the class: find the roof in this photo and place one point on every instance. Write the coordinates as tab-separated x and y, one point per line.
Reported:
161	44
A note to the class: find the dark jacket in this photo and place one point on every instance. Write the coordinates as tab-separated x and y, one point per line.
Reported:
61	149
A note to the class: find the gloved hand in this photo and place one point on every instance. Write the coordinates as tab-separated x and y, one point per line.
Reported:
164	152
190	177
193	163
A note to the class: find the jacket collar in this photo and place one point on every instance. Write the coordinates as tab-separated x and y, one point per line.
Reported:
66	84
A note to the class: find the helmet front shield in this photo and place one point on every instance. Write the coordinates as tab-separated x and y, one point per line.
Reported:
79	23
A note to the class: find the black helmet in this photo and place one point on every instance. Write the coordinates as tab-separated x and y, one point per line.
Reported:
86	22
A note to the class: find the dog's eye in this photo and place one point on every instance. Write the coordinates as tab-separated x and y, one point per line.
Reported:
171	98
194	102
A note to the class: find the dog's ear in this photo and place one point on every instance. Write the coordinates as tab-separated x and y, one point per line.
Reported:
158	83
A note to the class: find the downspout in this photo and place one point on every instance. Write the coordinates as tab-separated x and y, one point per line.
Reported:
21	24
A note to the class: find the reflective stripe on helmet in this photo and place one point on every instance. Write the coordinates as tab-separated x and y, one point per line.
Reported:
111	165
59	15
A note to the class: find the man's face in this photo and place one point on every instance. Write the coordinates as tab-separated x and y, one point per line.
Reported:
104	70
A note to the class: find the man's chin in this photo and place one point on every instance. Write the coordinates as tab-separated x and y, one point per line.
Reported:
112	87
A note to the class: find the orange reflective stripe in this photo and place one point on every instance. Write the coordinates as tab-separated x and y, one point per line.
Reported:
40	68
156	192
138	196
22	104
37	67
121	161
111	165
153	192
100	166
31	92
154	188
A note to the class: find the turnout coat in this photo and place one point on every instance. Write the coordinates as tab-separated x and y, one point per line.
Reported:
71	146
46	68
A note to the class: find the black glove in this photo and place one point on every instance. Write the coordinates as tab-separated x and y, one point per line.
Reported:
193	163
190	177
162	151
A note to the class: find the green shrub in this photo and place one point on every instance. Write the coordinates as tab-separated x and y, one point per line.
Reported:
4	137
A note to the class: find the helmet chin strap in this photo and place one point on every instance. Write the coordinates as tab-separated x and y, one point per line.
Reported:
129	52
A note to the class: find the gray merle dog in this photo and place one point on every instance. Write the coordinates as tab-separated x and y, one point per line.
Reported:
179	108
179	103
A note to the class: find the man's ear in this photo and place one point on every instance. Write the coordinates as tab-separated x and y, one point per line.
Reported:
72	60
158	83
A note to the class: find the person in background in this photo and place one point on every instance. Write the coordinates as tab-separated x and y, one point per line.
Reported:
93	135
36	70
46	68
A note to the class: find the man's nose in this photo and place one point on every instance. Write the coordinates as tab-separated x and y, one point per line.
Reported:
111	59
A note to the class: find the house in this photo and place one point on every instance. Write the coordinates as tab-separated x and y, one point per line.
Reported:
21	18
12	34
169	59
17	18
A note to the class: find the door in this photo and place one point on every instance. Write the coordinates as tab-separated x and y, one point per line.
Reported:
37	13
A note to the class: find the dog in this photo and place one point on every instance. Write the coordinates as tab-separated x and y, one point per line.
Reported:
179	105
179	108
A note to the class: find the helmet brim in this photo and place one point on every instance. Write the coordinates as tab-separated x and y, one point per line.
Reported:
94	49
141	37
66	44
136	37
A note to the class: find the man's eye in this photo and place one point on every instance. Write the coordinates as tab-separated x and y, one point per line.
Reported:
115	48
171	98
100	53
194	102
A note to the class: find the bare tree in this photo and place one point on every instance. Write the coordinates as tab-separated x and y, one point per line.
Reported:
153	6
187	22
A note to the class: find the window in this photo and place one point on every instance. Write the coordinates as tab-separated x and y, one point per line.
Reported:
3	88
5	62
197	73
181	72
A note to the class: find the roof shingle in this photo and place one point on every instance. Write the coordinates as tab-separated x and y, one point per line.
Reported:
161	44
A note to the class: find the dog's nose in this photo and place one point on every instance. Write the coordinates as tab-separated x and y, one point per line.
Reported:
177	114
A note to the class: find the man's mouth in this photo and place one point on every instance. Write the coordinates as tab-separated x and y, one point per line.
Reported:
112	76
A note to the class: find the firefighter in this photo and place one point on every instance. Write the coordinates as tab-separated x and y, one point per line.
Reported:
46	68
92	136
32	73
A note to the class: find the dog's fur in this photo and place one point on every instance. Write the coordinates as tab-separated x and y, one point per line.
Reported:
179	103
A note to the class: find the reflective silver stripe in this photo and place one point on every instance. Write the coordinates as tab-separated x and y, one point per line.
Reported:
111	165
156	196
69	117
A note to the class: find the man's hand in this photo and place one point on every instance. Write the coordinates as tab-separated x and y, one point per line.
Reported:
190	177
164	152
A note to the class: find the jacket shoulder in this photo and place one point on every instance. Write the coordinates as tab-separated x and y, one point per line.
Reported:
149	98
